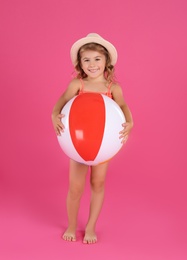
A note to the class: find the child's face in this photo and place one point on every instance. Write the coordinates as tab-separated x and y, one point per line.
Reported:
93	63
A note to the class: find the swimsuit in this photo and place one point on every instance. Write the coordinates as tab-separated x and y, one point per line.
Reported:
108	93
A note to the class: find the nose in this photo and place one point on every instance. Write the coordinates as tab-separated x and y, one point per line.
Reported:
92	63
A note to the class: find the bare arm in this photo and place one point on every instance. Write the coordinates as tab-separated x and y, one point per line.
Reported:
119	99
69	93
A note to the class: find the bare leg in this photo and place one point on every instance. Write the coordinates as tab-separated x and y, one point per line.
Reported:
98	175
77	177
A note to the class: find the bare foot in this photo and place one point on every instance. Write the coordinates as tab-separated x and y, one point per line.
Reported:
69	235
90	237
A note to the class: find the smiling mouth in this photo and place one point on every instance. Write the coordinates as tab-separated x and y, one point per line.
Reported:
93	70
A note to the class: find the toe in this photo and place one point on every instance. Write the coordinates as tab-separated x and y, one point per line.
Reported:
69	237
89	240
73	239
64	237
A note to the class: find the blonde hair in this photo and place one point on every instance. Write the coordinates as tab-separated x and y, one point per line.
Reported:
109	68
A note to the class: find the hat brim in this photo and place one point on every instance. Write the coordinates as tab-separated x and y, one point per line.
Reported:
78	44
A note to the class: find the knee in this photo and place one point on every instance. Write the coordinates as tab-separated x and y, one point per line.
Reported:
75	192
97	186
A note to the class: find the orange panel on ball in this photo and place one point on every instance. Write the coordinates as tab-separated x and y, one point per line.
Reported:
86	124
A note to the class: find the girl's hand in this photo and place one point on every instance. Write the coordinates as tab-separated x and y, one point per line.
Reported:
124	134
58	125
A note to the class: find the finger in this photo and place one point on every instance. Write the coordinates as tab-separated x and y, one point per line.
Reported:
126	133
122	131
61	115
59	128
125	139
125	125
60	124
124	136
58	132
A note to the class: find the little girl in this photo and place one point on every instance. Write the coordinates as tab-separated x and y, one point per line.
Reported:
93	58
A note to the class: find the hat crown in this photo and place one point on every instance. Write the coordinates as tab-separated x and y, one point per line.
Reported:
93	38
94	35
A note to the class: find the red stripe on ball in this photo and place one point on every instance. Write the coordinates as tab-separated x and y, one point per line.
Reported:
86	124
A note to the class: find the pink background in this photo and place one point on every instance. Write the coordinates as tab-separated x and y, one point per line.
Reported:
144	215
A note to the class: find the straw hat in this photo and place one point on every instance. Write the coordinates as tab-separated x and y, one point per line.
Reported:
96	38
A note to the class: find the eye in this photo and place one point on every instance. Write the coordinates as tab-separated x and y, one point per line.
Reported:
86	60
97	59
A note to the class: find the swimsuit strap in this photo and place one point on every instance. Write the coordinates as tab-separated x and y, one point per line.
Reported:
82	86
109	94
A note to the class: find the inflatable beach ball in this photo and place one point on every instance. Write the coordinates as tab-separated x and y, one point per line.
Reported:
92	124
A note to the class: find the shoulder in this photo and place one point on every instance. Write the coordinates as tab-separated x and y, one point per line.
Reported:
116	88
72	89
117	94
74	85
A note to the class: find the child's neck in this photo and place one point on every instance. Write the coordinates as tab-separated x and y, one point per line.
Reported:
95	80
